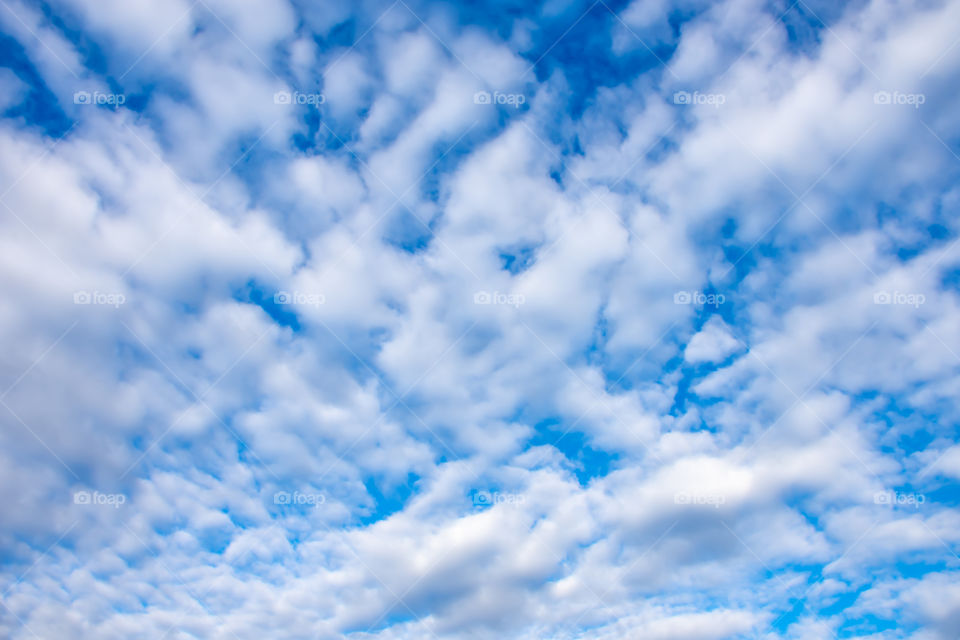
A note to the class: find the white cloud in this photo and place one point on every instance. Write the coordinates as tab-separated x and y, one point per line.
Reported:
713	343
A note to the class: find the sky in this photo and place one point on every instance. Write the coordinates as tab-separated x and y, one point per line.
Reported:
572	319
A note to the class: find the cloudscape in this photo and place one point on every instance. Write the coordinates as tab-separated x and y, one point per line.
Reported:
513	320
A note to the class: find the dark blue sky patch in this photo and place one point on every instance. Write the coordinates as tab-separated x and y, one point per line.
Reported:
518	259
40	108
405	231
272	302
588	462
388	497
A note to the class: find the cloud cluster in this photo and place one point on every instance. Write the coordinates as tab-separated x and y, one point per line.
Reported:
417	320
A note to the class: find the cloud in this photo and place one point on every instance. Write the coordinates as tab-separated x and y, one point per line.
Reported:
408	320
712	343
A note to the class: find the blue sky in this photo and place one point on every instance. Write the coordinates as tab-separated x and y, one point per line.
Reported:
592	320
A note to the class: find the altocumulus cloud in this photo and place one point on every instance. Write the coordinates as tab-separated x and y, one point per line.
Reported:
567	319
